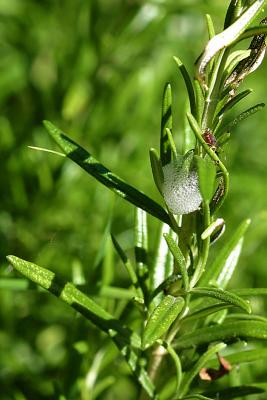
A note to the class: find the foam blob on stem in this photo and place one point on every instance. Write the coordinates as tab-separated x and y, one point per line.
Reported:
181	188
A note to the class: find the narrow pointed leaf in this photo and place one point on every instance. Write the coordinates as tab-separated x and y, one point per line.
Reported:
189	140
69	294
124	338
206	176
228	36
241	117
210	26
178	366
205	312
140	249
161	319
156	168
236	392
241	357
202	361
163	263
194	397
226	332
166	122
232	13
223	295
179	258
233	102
81	157
188	84
232	61
255	30
171	144
250	292
129	267
222	269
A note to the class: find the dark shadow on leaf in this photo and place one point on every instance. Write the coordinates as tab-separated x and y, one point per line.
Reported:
105	176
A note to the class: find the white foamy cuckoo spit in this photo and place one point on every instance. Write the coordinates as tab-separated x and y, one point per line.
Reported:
180	189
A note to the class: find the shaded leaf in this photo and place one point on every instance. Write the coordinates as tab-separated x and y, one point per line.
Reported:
234	392
166	122
226	332
188	84
156	168
202	361
177	362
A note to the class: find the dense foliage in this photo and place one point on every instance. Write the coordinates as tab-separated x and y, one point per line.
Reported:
97	70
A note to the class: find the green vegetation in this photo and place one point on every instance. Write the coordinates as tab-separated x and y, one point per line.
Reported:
151	298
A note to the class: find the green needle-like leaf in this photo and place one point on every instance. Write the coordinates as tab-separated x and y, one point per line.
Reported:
166	122
71	295
156	168
233	102
236	392
190	375
222	269
204	312
124	338
194	397
241	357
223	295
161	319
206	176
189	85
241	117
226	332
177	363
179	258
104	175
163	264
129	267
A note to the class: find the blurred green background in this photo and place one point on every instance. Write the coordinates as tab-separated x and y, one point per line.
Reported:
97	69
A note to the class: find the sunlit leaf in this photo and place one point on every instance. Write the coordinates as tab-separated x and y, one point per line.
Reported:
161	319
222	269
206	175
179	258
223	295
124	338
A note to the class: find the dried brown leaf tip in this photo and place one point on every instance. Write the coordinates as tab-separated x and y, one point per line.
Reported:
252	62
211	374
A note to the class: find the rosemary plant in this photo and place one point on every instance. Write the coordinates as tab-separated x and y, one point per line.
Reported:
186	323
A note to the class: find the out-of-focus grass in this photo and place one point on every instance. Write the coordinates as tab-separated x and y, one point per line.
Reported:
97	70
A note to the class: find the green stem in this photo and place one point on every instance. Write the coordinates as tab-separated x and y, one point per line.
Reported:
213	97
198	133
202	261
